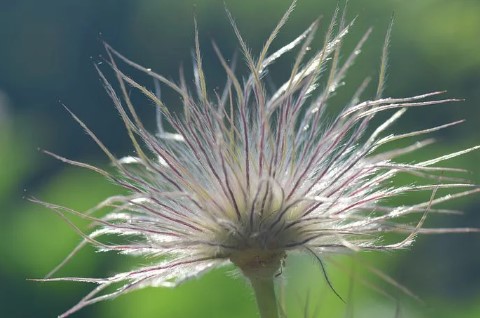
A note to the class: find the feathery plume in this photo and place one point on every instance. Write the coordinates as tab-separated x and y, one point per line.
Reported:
251	175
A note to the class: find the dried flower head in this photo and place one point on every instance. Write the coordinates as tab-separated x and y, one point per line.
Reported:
250	175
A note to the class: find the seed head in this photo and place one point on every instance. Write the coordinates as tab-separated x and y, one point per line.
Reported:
250	175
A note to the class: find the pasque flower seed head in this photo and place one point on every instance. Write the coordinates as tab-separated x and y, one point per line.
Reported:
248	175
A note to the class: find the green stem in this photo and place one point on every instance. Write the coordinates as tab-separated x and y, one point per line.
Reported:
265	295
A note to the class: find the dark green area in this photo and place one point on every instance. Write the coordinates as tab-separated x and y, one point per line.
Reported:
48	48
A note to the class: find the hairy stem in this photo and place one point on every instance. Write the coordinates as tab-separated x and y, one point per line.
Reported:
265	296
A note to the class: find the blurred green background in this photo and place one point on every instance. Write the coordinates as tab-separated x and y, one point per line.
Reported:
48	48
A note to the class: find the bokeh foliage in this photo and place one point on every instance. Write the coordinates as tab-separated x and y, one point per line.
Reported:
46	56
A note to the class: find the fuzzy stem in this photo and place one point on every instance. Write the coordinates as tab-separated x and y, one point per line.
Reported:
260	266
265	295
